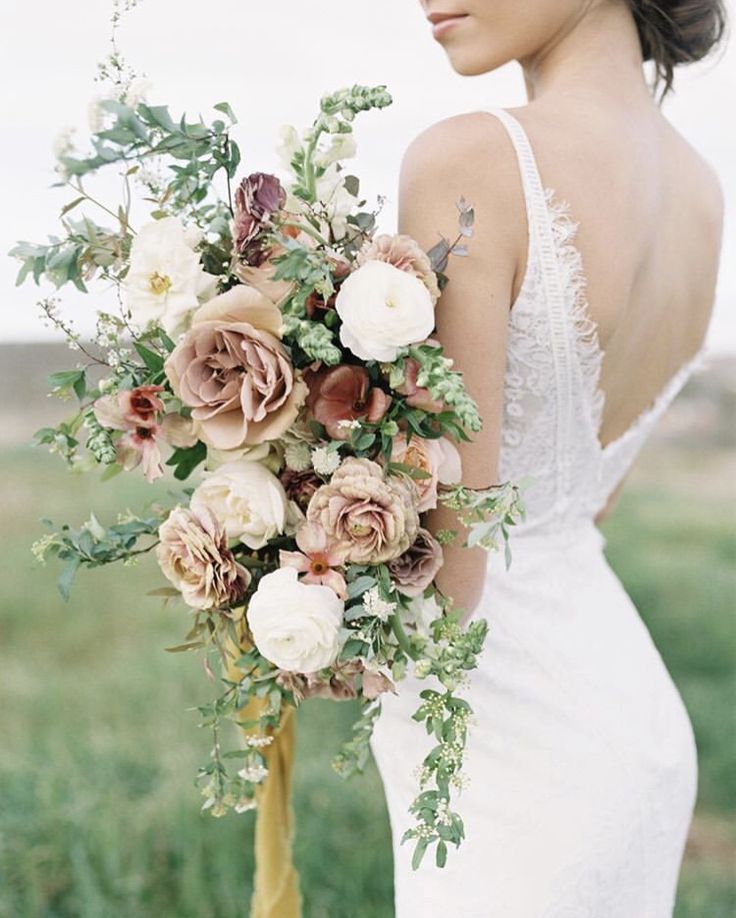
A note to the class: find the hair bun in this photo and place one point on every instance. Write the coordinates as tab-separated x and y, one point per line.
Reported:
675	32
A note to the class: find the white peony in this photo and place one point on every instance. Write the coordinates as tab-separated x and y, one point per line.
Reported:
295	625
247	500
382	309
166	278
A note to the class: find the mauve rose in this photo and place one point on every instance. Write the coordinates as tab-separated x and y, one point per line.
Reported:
413	571
344	393
234	373
257	197
193	554
372	518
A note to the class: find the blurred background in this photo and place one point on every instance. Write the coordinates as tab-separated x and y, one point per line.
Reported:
98	742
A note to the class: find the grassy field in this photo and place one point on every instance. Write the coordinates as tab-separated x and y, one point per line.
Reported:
98	813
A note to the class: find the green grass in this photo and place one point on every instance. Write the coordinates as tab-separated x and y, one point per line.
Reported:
98	813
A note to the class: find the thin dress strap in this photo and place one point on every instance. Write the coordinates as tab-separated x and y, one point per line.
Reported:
540	229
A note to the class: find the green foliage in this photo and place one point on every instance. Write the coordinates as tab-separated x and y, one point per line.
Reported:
186	459
93	545
98	803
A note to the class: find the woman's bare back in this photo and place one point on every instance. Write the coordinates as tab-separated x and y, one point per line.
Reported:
650	211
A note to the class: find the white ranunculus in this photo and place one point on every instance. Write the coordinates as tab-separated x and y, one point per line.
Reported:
382	309
295	625
166	278
248	501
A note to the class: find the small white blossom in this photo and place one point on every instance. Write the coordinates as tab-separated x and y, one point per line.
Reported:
258	741
375	605
245	804
325	461
255	773
348	424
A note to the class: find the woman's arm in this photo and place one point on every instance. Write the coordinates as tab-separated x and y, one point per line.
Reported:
469	156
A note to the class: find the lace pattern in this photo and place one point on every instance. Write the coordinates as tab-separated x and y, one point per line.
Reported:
553	403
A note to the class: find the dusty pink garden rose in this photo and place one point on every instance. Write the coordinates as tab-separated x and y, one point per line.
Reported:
316	558
373	518
403	253
413	571
193	554
234	373
438	459
344	393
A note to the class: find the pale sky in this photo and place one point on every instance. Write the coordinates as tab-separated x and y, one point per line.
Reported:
272	62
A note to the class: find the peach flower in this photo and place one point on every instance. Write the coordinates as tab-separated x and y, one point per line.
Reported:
316	559
438	459
233	371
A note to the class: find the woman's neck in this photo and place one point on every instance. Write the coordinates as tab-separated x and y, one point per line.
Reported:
594	54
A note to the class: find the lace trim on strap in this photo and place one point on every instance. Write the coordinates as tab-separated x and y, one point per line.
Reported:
570	262
552	232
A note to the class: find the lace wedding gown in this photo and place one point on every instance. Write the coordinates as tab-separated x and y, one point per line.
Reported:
581	758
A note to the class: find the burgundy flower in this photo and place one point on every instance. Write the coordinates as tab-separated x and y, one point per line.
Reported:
344	393
257	197
300	486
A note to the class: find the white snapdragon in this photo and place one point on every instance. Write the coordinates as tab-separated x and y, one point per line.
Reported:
336	199
166	279
342	146
295	625
383	309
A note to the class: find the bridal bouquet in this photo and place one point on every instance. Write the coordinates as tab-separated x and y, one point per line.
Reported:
275	353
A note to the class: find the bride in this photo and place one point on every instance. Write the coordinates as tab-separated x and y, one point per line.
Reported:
577	316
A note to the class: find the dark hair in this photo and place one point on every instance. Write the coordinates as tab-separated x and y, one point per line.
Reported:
675	32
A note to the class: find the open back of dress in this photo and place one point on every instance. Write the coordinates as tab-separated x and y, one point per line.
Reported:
581	759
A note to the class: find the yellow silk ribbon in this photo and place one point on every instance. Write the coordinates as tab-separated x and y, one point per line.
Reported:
276	892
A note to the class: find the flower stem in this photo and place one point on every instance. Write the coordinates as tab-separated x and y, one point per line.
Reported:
401	637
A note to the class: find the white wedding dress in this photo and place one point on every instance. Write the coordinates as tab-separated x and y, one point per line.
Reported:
581	758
